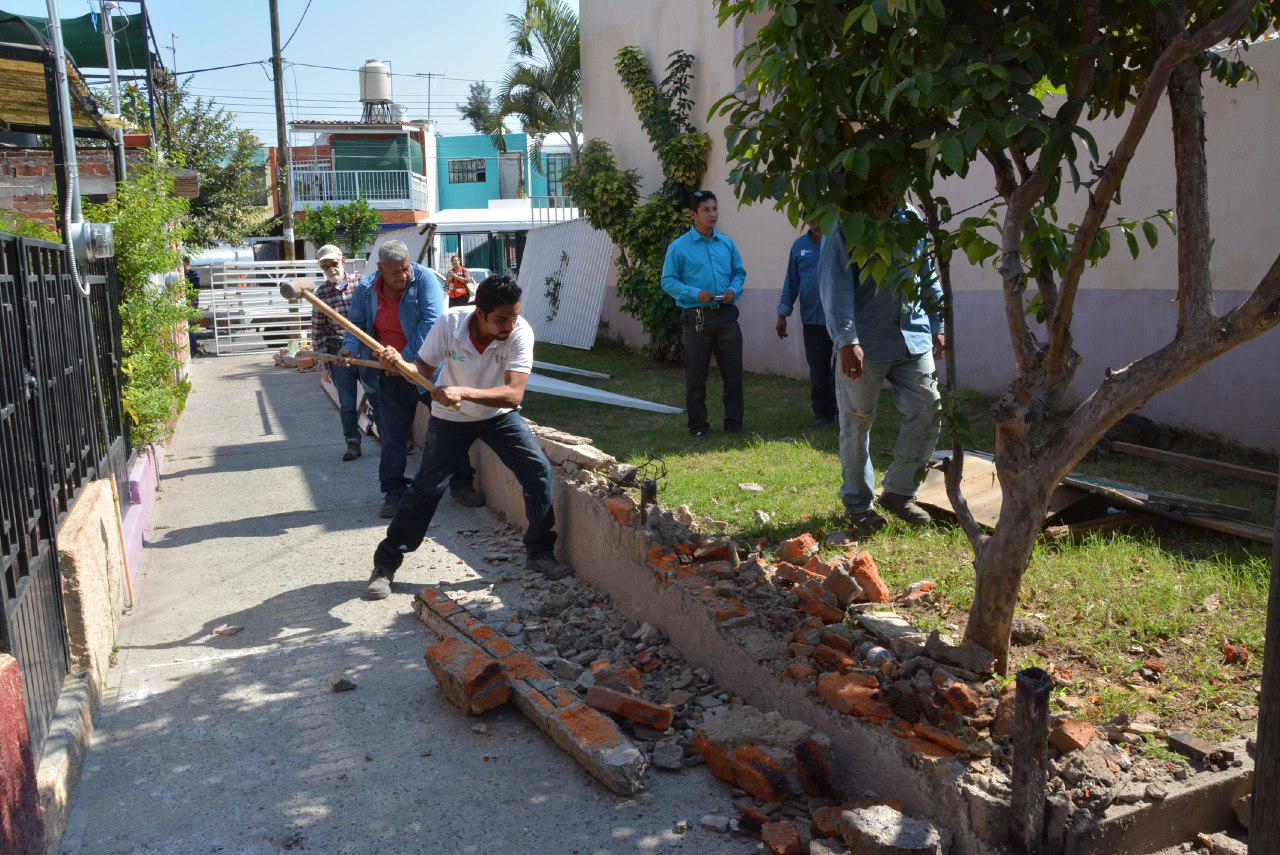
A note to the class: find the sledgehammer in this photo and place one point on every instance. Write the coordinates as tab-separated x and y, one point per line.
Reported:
302	289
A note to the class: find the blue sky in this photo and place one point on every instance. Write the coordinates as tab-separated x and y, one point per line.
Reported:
461	40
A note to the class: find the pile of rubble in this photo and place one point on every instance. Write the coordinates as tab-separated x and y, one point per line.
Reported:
302	363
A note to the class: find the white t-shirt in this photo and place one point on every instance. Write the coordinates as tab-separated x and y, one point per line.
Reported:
449	347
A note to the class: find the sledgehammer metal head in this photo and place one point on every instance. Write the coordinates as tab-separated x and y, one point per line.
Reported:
291	289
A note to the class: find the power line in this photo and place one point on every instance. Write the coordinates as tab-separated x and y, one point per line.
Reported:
302	18
220	67
396	73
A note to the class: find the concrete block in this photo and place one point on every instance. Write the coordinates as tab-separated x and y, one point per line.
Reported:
91	563
62	759
20	826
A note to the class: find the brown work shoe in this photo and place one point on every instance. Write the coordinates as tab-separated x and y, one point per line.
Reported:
353	452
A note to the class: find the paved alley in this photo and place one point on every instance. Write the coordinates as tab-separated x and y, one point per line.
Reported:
235	743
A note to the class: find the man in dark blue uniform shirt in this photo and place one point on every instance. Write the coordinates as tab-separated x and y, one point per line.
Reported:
802	283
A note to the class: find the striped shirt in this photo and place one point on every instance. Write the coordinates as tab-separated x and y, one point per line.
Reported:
326	336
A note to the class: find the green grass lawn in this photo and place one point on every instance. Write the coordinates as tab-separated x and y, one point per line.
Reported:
1112	600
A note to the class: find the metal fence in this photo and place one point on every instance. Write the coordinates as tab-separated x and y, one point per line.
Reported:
54	393
548	210
381	188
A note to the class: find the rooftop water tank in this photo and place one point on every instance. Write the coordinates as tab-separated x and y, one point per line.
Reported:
375	82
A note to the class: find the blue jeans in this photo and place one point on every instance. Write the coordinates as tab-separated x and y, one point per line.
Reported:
347	381
397	405
447	442
915	394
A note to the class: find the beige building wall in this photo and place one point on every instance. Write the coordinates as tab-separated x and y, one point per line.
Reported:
1126	308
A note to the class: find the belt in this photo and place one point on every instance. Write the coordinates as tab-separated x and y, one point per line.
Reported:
713	306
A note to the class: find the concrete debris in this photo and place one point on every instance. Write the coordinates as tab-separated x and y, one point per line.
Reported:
763	517
770	757
1028	630
342	681
780	838
881	830
715	822
668	754
1191	746
751	488
968	656
681	826
1243	808
1070	735
228	630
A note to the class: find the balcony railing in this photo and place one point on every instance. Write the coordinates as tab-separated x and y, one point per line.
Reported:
394	189
547	210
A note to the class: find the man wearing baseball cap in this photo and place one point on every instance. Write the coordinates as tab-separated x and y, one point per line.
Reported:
326	337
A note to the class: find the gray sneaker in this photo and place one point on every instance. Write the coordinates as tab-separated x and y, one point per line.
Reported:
904	508
379	587
548	566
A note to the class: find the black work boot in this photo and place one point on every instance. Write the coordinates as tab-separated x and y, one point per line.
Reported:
904	508
390	504
467	495
353	452
864	522
379	587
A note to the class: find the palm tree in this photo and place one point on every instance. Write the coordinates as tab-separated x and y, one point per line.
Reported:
543	86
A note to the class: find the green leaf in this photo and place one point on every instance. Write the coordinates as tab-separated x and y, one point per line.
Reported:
788	15
953	154
1132	239
1152	235
853	17
869	21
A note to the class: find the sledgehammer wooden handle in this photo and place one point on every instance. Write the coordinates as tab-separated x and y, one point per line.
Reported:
301	289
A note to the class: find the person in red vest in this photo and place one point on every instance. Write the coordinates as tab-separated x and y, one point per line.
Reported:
458	283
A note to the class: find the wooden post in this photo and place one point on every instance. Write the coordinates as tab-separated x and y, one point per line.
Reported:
1030	759
1264	823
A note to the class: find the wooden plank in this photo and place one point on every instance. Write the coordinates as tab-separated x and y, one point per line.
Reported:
1140	498
981	490
1202	464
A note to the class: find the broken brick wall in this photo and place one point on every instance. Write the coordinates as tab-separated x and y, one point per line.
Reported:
28	179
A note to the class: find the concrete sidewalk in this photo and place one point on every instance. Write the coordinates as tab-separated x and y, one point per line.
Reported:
211	743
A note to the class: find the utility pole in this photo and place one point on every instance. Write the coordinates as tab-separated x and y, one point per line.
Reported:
1264	822
283	159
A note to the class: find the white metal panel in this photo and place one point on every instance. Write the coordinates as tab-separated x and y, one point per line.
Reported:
244	309
579	256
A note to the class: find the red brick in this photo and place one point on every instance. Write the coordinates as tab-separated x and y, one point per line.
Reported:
780	838
798	549
1070	735
760	774
712	552
841	585
788	573
498	647
798	672
521	666
469	678
716	755
1005	722
817	567
729	608
636	709
814	765
835	640
962	698
677	698
850	694
612	677
939	737
931	750
800	651
623	508
826	821
863	569
809	604
830	659
808	636
919	593
664	557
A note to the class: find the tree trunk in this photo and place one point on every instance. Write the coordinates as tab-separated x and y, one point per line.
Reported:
1000	564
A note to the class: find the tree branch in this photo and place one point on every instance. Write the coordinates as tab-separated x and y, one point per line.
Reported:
1195	244
1132	386
1180	49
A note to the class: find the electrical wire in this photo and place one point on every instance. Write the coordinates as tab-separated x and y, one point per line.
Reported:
302	18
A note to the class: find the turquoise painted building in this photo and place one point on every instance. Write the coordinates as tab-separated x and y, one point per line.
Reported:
472	172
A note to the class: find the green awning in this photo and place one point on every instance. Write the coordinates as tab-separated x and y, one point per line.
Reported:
83	38
377	152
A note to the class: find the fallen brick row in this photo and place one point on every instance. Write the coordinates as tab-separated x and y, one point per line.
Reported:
479	670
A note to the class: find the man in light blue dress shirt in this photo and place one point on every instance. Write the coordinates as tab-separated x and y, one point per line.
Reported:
703	272
882	334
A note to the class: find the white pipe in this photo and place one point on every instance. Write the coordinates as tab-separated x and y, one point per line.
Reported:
109	34
64	111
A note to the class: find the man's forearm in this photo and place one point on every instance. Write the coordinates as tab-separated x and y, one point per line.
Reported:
498	396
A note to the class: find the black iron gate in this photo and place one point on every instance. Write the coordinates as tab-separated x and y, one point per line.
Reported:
51	444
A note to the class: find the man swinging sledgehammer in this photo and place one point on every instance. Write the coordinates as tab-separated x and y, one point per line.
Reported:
485	355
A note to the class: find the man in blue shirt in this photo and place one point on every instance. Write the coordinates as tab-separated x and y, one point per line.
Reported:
397	305
882	334
802	282
703	272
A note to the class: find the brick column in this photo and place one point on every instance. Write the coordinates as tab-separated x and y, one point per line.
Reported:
20	828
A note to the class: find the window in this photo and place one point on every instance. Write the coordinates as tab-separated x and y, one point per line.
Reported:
469	171
556	166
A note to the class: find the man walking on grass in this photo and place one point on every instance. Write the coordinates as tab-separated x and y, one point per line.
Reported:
703	272
398	305
802	283
484	354
327	337
882	334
